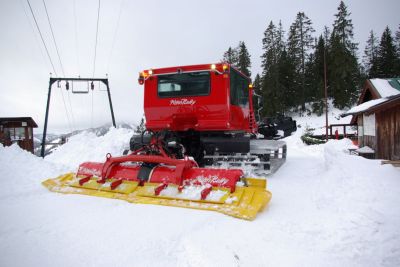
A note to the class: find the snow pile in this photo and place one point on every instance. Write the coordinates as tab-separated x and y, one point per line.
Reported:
365	149
87	146
328	208
19	170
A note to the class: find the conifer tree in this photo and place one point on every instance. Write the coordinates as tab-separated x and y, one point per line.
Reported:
370	56
397	38
239	57
343	28
231	56
268	67
269	57
344	71
256	96
315	77
273	46
257	84
280	40
300	41
243	59
327	35
286	70
141	127
387	60
397	44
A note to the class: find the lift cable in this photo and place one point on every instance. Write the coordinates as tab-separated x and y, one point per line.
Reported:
48	55
76	49
54	39
35	35
115	35
70	120
76	37
62	69
94	60
95	45
41	37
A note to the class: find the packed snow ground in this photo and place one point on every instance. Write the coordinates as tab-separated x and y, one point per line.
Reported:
328	208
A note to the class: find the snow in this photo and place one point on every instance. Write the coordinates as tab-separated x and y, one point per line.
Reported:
318	122
364	106
365	149
328	208
87	146
192	193
384	88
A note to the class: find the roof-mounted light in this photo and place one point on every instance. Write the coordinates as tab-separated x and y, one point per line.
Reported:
141	78
214	68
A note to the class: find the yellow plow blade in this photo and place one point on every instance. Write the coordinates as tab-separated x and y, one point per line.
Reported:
244	203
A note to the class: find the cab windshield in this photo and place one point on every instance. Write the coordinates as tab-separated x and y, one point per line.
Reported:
184	84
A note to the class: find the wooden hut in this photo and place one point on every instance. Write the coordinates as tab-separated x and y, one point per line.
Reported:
377	117
17	130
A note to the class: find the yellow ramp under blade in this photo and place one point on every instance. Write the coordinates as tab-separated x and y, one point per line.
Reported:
244	203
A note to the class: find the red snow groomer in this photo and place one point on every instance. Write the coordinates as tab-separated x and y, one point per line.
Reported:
195	116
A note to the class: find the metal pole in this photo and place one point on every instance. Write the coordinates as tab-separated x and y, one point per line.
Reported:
326	96
46	119
111	107
53	80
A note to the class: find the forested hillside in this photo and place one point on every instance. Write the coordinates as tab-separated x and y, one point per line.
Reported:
293	63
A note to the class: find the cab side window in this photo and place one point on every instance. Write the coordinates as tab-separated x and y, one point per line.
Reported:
239	87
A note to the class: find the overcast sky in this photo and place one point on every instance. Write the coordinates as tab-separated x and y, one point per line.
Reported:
137	35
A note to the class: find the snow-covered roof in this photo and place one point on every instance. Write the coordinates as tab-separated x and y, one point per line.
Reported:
364	106
372	105
384	86
388	89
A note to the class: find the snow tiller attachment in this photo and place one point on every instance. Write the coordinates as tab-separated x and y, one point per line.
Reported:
150	176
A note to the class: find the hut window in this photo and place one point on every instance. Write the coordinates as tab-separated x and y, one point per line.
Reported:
11	133
17	133
369	124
